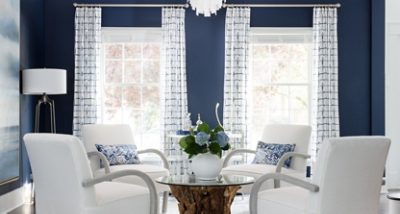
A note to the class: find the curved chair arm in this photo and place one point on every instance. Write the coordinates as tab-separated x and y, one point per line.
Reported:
277	176
235	152
149	182
282	160
157	152
103	159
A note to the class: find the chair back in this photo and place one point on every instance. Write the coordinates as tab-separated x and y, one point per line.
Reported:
59	166
105	134
349	172
289	134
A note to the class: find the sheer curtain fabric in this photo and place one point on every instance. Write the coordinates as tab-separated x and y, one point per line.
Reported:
325	76
87	52
174	107
237	37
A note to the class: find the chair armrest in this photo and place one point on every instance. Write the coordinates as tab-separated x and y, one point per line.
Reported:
235	152
277	176
157	152
282	160
103	159
149	182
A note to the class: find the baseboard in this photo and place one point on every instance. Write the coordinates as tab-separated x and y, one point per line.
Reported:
11	200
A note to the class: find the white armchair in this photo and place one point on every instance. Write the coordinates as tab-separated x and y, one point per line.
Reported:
122	134
65	184
347	180
279	134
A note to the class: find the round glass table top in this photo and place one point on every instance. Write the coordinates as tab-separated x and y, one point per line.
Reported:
190	180
394	195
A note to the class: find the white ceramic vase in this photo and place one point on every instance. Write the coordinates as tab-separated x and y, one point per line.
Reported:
206	166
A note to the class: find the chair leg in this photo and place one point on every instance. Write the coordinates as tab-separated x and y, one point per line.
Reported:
165	202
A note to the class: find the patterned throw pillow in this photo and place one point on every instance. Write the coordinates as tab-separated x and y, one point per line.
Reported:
269	153
119	154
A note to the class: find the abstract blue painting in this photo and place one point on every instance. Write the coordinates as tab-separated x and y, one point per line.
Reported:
9	90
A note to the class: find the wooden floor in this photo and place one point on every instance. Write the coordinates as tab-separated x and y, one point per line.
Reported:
240	206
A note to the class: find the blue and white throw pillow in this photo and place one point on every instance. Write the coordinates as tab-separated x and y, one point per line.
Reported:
270	153
119	154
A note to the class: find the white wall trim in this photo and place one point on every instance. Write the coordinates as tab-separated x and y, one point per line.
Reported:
392	28
392	87
11	200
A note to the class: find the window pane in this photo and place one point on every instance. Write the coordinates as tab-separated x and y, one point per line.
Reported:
151	71
112	115
133	118
261	74
133	51
151	51
133	70
112	96
131	96
113	71
113	51
152	95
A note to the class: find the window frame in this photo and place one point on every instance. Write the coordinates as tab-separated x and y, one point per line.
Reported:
255	32
145	34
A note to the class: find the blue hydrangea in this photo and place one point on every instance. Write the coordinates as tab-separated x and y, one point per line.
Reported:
202	138
222	139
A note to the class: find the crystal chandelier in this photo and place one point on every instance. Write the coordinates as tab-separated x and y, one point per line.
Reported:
206	7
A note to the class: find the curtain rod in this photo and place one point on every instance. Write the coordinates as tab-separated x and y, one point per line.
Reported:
224	5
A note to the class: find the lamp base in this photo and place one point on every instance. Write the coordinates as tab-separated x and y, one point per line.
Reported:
45	100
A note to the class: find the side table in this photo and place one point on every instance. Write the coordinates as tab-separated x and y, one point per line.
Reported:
394	202
200	197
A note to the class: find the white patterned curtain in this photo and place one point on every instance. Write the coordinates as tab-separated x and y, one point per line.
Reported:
87	48
174	108
325	119
237	35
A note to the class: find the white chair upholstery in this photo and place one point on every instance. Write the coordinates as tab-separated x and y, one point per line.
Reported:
280	134
122	134
347	180
64	183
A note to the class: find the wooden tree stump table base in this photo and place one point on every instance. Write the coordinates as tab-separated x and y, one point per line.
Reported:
204	200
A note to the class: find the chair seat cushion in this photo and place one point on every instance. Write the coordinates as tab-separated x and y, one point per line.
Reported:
153	171
114	197
285	200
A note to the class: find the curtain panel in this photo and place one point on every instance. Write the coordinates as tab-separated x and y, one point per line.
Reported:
237	37
87	53
325	118
174	106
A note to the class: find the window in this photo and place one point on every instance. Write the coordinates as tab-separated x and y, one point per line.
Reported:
280	78
130	78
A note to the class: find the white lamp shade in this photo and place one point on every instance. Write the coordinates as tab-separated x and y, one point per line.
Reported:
44	80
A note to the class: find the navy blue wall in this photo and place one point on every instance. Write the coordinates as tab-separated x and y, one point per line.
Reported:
31	55
361	60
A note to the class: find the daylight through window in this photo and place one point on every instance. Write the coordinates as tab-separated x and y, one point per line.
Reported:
131	82
280	78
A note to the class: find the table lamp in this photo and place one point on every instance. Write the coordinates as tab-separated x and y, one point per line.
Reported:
44	81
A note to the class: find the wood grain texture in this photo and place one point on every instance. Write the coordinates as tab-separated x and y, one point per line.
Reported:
204	200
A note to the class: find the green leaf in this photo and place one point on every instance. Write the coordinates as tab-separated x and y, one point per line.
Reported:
194	149
191	150
203	128
227	147
184	142
218	129
215	148
213	136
